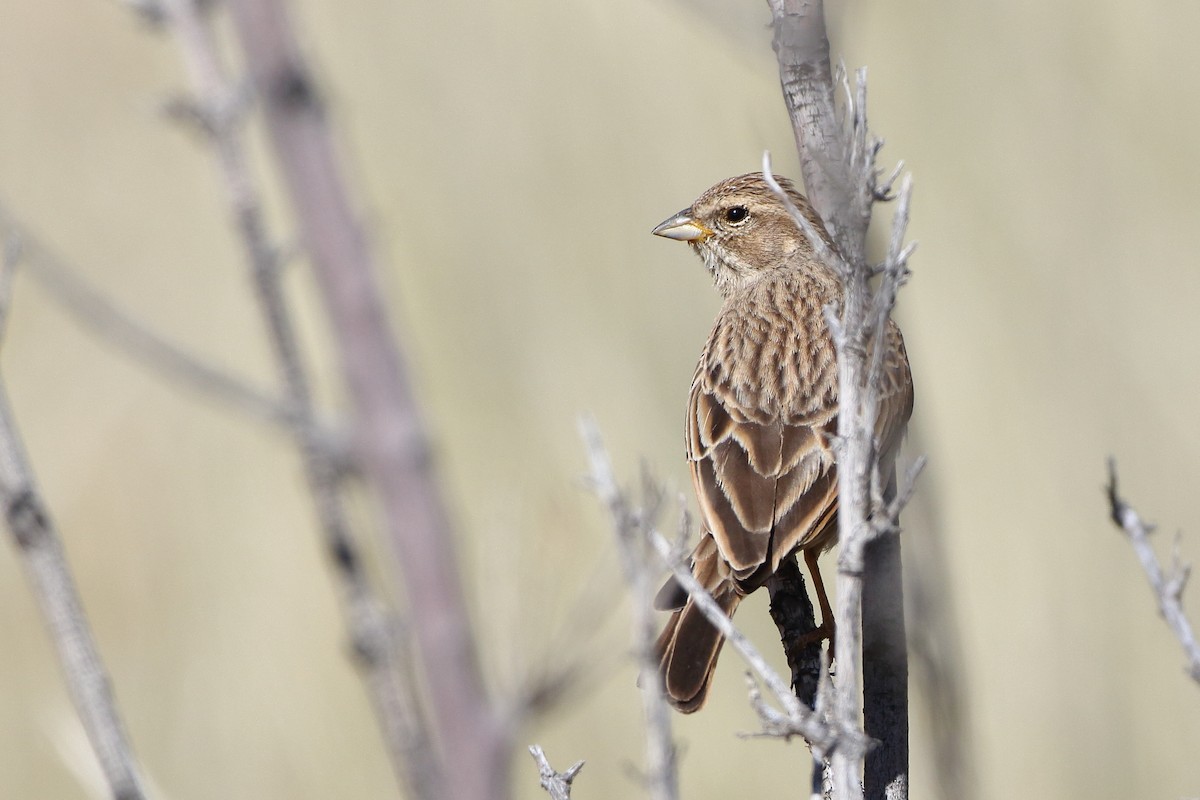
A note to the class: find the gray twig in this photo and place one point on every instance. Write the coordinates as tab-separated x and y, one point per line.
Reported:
631	526
88	306
390	434
556	784
10	257
1168	587
219	104
40	548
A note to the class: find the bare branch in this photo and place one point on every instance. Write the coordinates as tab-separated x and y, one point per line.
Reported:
886	522
556	784
40	548
837	157
802	49
218	106
631	526
1168	588
795	618
389	431
10	256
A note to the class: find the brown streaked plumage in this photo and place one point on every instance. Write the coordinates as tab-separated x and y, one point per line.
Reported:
762	407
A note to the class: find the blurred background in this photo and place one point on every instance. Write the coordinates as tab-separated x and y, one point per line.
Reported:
510	159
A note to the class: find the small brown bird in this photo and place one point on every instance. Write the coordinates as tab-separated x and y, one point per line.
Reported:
760	415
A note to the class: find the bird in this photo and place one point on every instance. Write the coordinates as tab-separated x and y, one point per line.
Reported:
762	415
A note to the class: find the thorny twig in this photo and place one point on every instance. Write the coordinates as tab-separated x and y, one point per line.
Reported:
1168	588
631	526
556	784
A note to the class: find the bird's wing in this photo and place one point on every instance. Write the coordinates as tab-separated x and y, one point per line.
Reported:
765	477
758	481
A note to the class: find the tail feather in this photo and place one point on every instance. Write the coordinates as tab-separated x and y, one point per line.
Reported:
689	644
688	648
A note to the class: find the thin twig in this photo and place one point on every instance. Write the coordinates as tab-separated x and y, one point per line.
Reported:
10	257
40	548
556	784
390	434
630	526
88	306
1168	588
219	104
824	252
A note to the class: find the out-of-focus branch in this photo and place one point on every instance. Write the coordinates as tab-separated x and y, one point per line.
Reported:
556	784
631	525
218	104
40	548
88	305
837	158
389	432
10	257
1168	588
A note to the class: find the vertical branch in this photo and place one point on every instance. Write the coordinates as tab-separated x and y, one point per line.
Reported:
388	428
218	106
802	49
837	157
794	616
40	548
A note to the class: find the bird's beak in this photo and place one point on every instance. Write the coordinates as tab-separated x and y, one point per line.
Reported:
682	227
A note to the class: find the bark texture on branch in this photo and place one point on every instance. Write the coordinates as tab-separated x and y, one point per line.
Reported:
837	158
40	549
793	613
794	616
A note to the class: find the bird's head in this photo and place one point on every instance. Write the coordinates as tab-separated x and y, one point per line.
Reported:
742	230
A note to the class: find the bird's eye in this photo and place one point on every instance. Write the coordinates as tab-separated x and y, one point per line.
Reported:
736	214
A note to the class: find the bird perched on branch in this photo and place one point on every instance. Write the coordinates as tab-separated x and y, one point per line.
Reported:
761	415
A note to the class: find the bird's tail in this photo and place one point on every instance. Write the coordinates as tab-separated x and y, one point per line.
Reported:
689	644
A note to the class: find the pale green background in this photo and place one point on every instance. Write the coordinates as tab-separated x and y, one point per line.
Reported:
511	158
